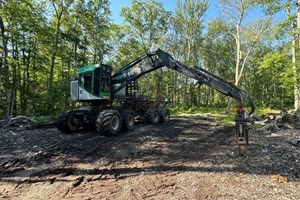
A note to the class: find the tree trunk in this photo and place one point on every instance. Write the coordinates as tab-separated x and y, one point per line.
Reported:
167	92
27	76
5	64
159	81
237	63
212	96
207	93
175	98
198	96
95	55
184	88
15	61
24	82
188	55
262	101
34	75
75	54
274	100
51	75
53	57
281	99
1	63
147	85
295	64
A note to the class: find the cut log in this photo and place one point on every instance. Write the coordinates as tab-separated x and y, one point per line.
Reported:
270	128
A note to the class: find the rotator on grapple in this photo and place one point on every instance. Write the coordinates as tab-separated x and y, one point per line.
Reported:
115	104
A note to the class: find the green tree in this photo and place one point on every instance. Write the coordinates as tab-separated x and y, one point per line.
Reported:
288	27
188	25
276	68
43	42
216	52
61	12
20	22
247	33
147	22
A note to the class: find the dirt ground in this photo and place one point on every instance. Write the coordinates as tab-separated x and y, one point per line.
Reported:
186	158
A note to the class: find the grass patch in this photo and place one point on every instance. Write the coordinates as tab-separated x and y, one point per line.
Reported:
261	111
224	119
44	119
218	113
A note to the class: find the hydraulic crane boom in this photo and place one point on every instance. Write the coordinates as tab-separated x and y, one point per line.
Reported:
159	59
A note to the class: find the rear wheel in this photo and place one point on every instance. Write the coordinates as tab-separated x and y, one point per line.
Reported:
152	116
108	122
68	123
128	121
164	114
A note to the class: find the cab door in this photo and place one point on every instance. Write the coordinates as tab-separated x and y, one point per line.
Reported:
105	82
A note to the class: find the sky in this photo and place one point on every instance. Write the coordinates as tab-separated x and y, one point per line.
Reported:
117	5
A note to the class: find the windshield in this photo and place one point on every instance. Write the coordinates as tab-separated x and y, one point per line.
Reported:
85	81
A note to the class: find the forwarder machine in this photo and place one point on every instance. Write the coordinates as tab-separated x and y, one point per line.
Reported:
114	102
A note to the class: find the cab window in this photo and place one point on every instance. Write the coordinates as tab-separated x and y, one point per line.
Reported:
105	79
85	81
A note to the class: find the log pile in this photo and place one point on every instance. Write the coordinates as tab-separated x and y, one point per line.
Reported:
19	122
282	121
274	122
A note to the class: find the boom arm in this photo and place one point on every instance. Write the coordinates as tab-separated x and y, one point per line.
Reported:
159	59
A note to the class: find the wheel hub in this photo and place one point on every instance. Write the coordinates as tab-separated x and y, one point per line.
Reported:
115	123
156	117
130	120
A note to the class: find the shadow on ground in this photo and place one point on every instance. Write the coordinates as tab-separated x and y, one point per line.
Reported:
181	145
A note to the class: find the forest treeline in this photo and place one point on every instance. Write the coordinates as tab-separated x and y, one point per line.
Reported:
253	43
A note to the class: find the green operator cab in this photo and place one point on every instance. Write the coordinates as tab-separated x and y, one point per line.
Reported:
94	84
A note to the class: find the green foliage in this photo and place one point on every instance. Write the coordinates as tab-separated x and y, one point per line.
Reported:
187	29
187	20
147	21
145	25
277	69
44	119
49	40
218	49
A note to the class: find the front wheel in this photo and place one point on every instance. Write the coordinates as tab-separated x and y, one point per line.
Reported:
68	123
108	122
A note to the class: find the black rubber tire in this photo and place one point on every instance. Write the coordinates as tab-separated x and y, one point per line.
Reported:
65	123
164	114
108	122
152	116
128	119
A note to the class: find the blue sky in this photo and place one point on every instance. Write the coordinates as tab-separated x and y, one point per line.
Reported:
117	5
